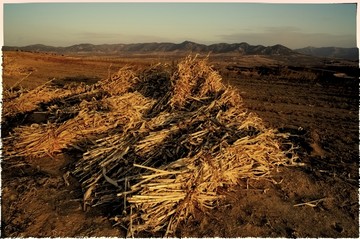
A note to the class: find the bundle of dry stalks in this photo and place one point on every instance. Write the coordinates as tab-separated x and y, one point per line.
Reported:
120	82
93	117
48	139
178	157
167	195
160	152
194	80
10	94
26	101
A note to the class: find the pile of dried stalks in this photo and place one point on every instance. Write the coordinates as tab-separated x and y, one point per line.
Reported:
120	82
25	101
161	155
196	139
38	140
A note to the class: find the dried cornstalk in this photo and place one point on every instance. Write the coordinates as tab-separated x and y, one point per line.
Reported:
29	100
164	155
120	82
48	139
150	142
194	79
205	140
169	196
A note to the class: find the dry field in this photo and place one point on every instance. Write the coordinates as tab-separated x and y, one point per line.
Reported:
115	146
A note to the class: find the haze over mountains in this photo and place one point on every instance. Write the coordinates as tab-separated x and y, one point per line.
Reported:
332	52
188	46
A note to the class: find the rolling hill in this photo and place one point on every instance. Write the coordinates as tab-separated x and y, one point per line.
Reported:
331	52
186	46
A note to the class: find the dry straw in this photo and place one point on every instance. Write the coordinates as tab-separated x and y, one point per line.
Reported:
175	162
162	156
119	82
122	111
194	79
25	101
51	138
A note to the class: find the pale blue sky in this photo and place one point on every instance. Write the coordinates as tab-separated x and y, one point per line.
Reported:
293	25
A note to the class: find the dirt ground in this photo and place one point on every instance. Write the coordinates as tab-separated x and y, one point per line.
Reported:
303	98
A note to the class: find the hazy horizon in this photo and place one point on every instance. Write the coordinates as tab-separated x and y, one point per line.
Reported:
292	25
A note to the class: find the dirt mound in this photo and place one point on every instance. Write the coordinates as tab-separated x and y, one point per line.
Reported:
159	153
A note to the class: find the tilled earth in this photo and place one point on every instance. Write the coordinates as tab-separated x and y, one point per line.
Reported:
317	199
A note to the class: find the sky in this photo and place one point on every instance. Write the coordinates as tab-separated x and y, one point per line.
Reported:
292	25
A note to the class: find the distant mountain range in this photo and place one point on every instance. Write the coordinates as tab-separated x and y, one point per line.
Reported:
332	52
188	46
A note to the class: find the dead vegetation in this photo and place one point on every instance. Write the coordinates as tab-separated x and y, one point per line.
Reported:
159	155
20	101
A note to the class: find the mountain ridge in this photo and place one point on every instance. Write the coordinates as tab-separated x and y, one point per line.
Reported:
331	52
242	48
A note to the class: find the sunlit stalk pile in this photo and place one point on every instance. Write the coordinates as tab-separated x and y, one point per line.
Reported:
24	101
51	138
165	146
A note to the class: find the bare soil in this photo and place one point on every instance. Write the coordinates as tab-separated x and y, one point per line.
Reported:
301	97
